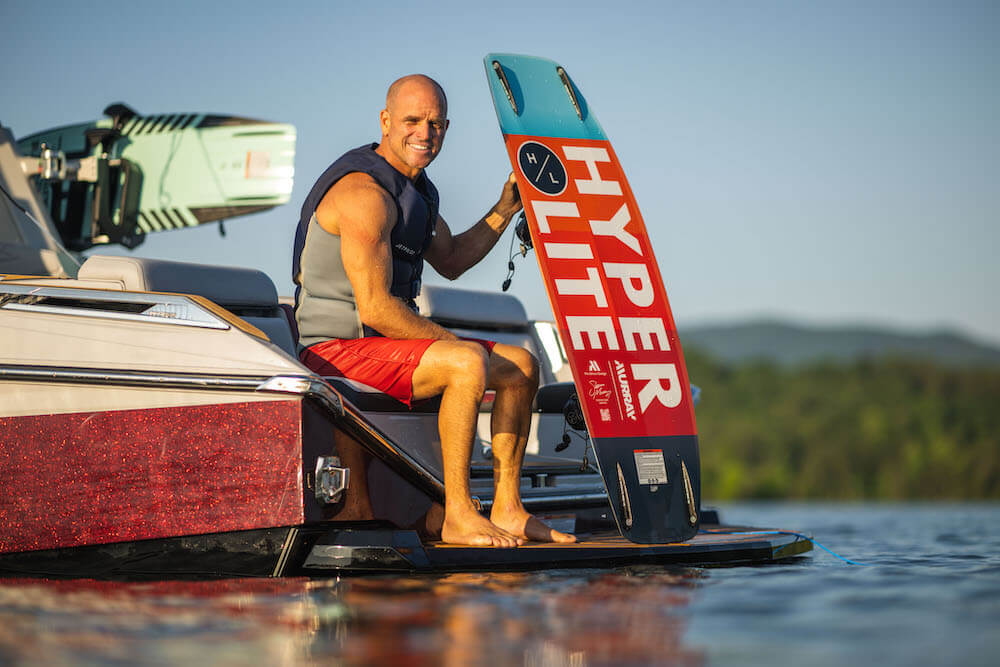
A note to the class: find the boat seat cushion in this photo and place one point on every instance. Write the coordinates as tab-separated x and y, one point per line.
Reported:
277	330
552	398
475	309
230	287
248	293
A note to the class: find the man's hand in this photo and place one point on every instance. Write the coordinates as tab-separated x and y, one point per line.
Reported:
510	199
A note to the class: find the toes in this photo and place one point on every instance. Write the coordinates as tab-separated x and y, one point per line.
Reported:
537	530
504	542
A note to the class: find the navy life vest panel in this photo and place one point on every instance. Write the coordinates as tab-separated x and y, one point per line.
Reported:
416	215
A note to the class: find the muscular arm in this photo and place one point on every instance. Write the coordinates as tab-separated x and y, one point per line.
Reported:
363	215
452	255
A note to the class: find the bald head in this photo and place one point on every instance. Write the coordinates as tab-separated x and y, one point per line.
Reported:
414	82
413	123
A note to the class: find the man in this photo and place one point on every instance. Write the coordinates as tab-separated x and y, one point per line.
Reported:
367	226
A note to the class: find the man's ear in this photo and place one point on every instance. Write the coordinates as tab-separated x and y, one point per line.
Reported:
383	121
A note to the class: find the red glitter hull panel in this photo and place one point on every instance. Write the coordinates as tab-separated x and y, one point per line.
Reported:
118	476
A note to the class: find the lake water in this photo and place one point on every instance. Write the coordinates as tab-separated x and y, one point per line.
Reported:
930	595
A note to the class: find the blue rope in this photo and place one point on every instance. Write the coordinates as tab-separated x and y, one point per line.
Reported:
785	532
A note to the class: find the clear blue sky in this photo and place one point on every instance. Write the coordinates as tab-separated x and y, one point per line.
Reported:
831	162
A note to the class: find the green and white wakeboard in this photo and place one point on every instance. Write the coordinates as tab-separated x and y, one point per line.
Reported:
150	173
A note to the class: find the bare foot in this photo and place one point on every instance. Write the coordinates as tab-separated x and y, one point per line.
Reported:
522	524
470	527
429	525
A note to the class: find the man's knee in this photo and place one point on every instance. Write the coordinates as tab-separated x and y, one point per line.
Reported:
465	363
471	360
514	366
451	364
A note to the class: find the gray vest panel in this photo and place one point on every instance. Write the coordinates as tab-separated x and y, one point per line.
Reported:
326	307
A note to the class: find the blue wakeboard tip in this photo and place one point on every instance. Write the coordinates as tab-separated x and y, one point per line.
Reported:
532	98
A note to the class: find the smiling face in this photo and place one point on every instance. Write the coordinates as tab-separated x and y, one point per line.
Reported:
413	123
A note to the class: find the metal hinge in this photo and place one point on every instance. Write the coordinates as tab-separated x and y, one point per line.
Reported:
331	480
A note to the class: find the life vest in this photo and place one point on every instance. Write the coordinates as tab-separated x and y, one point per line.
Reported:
416	215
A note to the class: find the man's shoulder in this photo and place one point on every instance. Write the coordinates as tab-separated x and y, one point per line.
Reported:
356	196
357	185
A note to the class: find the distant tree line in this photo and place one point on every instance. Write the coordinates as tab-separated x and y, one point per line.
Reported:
867	429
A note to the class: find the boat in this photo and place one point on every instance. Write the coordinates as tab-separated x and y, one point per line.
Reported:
155	421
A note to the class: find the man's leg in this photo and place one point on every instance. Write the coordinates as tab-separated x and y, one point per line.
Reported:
457	370
513	374
357	504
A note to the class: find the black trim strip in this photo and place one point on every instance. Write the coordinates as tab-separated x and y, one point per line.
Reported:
157	126
212	213
130	125
168	224
213	120
170	120
175	122
175	217
141	125
261	133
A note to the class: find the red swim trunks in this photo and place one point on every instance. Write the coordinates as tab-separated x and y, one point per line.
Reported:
387	364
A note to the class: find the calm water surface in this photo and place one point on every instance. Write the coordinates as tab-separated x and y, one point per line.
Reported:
931	595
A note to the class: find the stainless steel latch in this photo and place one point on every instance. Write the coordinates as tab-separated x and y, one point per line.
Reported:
331	480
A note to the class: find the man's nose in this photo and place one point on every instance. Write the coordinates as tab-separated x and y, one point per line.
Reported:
424	130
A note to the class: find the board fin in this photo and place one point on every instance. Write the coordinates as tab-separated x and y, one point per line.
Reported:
626	504
689	495
569	91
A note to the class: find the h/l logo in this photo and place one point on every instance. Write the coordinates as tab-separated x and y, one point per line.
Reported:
542	168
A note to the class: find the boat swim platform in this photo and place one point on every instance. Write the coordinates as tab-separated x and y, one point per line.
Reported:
396	550
371	547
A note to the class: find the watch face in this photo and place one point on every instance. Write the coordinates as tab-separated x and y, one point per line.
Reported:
541	167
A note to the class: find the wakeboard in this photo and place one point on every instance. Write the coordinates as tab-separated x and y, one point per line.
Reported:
607	297
170	171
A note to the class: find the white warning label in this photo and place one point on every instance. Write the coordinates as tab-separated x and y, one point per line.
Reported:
649	466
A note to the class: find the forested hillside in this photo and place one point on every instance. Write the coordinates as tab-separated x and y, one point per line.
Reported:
886	429
788	343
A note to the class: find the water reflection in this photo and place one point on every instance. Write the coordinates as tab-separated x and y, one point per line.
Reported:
628	616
